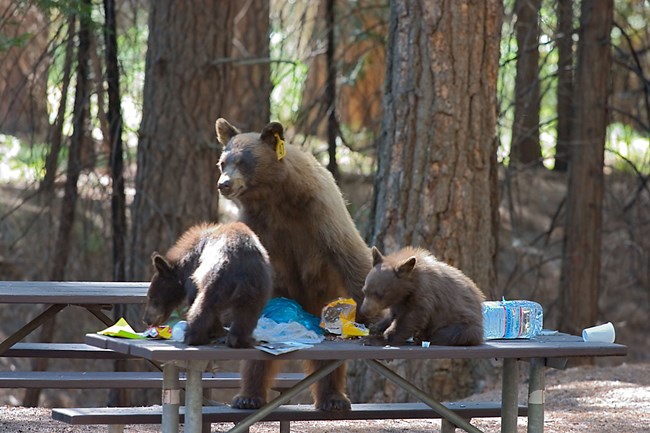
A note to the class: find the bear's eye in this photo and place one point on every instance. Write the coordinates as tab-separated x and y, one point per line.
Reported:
227	159
245	161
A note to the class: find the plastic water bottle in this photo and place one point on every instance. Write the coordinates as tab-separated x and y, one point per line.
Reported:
178	331
512	319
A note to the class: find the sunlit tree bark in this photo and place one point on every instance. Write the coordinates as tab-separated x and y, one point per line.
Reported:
196	72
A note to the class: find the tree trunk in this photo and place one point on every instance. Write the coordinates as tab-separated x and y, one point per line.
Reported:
436	180
564	41
69	204
189	83
24	63
525	149
580	281
56	130
330	92
117	397
114	117
251	55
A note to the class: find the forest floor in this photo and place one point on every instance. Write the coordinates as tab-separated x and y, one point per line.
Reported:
609	399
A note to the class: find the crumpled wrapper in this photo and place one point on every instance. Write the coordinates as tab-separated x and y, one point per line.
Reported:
338	317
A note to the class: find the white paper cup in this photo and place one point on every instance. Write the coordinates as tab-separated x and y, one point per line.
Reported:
604	333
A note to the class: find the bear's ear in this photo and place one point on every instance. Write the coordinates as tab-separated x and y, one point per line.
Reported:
225	131
405	267
268	134
377	257
160	264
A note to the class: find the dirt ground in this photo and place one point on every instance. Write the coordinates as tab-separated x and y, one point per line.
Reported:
612	399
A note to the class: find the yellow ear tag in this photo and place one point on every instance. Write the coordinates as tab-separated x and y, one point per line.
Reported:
279	147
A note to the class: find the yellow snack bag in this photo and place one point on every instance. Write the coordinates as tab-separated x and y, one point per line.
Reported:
338	317
353	329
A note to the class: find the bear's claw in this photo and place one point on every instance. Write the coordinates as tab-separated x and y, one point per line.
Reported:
335	403
247	402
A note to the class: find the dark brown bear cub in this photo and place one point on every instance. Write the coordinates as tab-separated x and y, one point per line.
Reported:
294	205
426	298
220	272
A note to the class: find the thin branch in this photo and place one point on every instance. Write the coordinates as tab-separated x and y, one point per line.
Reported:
251	61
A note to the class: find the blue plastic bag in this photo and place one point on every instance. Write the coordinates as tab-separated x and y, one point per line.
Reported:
284	310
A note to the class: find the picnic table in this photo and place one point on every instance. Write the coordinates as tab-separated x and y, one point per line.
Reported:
93	296
540	352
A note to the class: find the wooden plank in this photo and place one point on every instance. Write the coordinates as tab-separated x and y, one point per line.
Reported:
556	346
61	350
73	292
131	380
213	414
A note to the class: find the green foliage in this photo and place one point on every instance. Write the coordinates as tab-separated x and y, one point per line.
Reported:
627	151
624	146
19	161
288	79
288	71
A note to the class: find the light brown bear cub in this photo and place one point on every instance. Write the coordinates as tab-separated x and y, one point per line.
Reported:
294	205
426	298
222	272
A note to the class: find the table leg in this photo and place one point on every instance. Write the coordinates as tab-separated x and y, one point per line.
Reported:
412	389
285	397
96	310
193	401
37	321
509	396
536	396
171	398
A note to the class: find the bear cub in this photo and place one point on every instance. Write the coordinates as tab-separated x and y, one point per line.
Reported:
222	273
426	299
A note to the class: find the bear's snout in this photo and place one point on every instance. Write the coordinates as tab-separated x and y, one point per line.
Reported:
225	186
153	316
363	308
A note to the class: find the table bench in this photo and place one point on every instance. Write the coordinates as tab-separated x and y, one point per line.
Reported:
117	417
125	380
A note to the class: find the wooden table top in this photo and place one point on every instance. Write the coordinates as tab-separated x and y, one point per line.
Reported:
72	292
556	346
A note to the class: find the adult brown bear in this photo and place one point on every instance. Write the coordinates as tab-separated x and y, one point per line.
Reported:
295	207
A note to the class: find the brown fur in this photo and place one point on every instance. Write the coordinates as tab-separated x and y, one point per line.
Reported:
221	272
426	298
297	210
